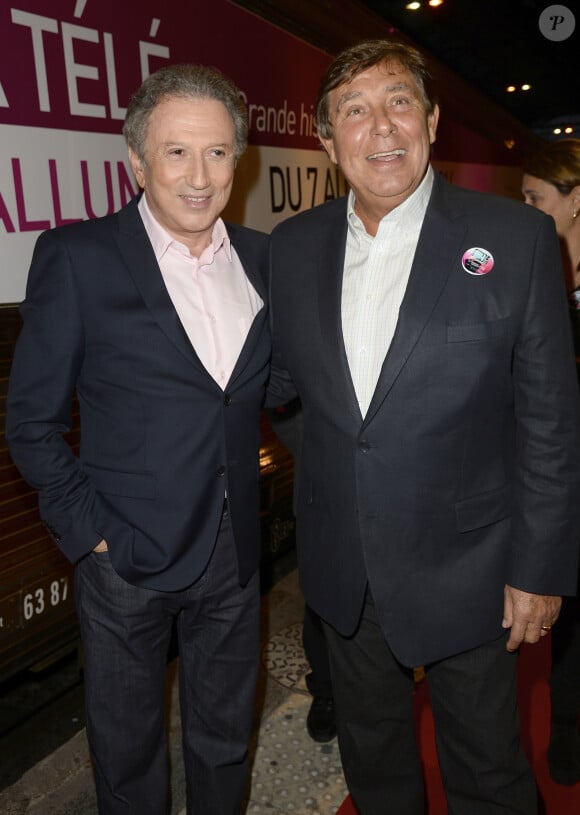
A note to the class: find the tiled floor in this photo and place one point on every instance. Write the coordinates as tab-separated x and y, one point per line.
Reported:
291	773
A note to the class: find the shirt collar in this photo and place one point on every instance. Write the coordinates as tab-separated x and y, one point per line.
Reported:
410	212
161	240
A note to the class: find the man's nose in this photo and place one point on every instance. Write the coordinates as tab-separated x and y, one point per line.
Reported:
197	175
383	124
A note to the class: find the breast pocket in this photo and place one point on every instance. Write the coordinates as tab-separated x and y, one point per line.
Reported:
478	332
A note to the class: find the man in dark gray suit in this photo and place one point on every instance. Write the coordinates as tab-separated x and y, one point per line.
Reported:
156	317
424	329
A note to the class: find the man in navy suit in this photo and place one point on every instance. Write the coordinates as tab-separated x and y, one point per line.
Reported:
156	318
424	328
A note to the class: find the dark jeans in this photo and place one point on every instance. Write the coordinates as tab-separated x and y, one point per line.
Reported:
126	631
473	697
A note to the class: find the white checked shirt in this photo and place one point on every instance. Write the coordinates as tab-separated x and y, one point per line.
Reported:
375	277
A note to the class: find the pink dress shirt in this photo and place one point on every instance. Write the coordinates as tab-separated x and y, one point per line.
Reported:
212	295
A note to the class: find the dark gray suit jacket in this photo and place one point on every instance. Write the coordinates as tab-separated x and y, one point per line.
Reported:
160	441
464	475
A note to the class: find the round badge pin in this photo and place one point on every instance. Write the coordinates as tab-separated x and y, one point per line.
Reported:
477	261
574	300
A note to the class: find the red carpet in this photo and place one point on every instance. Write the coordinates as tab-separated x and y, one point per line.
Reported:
534	699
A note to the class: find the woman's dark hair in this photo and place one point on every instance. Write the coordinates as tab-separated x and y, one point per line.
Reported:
558	163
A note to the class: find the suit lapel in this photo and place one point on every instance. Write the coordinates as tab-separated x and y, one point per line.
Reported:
142	265
245	250
137	252
437	250
330	253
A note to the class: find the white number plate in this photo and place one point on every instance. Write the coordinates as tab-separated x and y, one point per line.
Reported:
35	602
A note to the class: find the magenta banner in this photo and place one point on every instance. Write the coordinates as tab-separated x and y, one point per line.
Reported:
67	71
74	64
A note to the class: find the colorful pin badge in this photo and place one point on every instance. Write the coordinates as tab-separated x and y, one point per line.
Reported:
574	300
477	261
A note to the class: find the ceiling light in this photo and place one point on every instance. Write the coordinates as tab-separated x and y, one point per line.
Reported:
526	87
511	88
557	131
568	130
413	6
435	3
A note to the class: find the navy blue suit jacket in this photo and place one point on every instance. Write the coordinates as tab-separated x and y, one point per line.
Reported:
160	441
465	473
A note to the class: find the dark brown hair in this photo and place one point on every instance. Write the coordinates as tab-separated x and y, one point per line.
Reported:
358	58
558	163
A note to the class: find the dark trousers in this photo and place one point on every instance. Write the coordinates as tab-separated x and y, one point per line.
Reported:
565	676
314	642
126	631
473	697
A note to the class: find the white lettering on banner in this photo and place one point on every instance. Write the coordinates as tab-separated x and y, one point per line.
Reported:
116	111
40	26
272	120
307	122
149	49
282	120
264	119
267	119
37	25
75	71
67	71
99	74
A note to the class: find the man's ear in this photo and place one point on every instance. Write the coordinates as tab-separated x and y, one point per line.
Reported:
137	167
328	145
432	122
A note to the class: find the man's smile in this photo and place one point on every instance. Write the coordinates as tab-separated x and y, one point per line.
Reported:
386	155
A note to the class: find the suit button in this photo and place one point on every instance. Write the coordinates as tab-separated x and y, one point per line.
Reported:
364	446
227	400
221	471
52	531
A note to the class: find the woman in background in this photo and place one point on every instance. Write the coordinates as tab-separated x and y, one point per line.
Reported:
551	183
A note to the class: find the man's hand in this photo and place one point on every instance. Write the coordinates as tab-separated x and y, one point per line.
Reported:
101	546
530	616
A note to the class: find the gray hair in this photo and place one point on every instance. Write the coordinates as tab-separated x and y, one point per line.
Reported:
184	81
